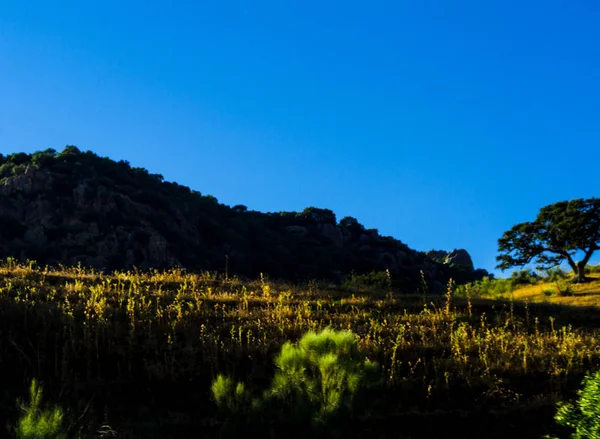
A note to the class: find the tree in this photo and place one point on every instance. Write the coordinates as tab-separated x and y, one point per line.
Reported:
559	232
240	208
70	150
314	214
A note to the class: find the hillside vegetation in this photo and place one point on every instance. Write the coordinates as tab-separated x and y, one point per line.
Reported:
74	207
136	354
555	286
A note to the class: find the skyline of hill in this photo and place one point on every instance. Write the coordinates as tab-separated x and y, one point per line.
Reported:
76	207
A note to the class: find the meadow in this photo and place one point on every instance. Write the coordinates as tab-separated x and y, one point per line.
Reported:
553	286
563	293
133	354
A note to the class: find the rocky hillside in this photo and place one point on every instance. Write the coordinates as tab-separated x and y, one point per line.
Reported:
74	207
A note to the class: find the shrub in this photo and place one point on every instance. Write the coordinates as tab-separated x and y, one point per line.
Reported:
486	287
548	292
523	277
373	281
37	422
19	169
563	288
321	374
584	415
316	379
555	274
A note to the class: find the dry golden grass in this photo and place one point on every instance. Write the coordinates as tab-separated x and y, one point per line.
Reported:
586	294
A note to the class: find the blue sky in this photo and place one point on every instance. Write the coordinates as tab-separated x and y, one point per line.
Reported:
441	123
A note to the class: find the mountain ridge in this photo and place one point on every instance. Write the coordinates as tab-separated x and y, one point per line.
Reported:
74	207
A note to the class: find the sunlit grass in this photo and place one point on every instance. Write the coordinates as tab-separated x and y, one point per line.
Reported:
585	294
72	325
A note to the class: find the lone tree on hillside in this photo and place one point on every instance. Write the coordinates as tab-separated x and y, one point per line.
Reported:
560	231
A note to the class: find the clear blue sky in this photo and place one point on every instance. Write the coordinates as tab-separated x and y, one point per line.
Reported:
441	123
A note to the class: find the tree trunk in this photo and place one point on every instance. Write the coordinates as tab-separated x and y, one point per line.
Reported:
580	272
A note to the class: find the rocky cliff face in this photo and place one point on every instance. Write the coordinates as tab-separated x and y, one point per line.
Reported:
76	227
74	207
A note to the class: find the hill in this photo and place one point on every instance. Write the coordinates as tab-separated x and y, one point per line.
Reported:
74	207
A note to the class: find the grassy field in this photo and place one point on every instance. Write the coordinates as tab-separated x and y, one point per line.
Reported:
585	294
137	352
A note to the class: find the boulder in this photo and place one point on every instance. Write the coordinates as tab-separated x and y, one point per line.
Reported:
459	257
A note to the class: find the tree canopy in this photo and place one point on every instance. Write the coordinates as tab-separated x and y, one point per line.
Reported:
559	232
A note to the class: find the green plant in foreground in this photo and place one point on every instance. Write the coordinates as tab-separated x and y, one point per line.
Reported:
37	422
317	377
323	372
584	415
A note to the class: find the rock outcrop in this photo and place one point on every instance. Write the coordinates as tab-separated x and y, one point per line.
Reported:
459	257
437	255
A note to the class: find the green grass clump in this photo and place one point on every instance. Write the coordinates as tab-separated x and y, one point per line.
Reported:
37	422
229	395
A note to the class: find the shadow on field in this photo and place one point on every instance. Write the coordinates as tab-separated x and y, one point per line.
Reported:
149	376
